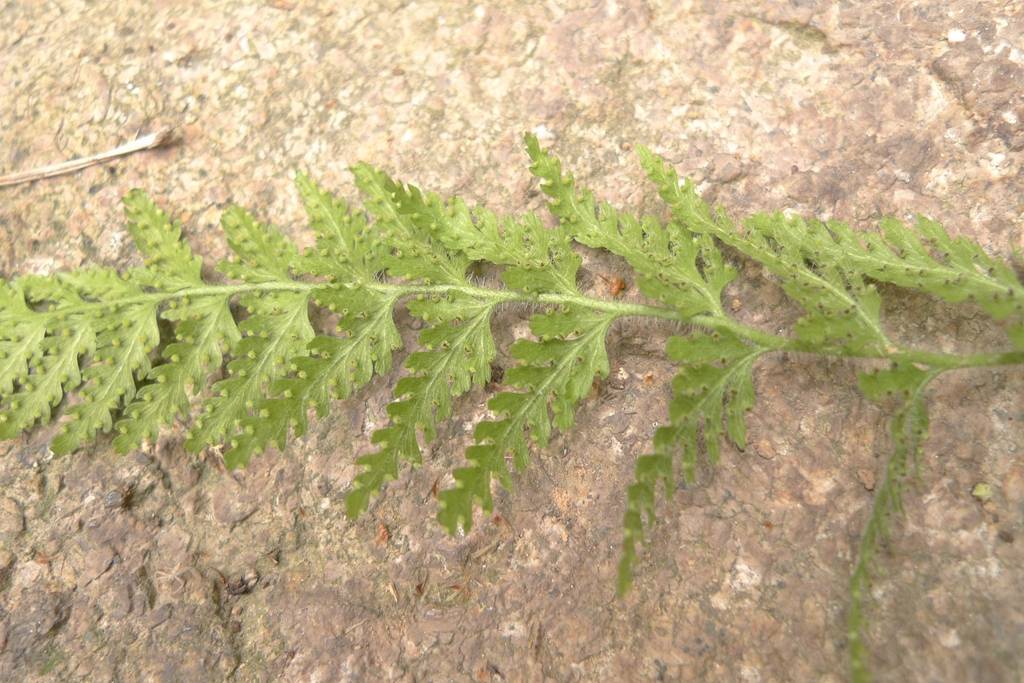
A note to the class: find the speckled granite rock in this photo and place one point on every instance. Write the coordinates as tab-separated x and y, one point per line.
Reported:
161	567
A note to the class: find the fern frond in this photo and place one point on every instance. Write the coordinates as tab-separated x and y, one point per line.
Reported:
204	326
555	371
262	253
54	371
909	428
89	337
483	236
272	337
93	317
457	347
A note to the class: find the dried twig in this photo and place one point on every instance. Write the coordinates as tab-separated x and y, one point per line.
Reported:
150	141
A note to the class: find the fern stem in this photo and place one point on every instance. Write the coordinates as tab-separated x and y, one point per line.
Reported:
186	293
943	361
619	309
616	308
946	361
765	339
908	430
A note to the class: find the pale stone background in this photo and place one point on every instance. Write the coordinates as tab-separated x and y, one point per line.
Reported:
161	567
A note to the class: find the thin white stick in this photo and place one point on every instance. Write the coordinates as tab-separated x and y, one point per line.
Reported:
151	141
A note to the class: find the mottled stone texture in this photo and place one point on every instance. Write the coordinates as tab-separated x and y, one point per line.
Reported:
163	567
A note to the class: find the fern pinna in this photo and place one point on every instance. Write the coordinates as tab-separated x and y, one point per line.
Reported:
94	336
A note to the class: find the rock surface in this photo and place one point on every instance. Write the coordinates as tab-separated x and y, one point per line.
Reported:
163	567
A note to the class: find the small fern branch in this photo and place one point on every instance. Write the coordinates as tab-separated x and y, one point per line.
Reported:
457	356
277	331
841	308
909	428
205	328
641	508
334	368
54	370
457	347
714	386
928	259
21	336
554	374
675	267
121	350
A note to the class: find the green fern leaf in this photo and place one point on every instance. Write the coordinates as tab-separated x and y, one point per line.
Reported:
205	328
345	250
334	366
457	355
675	267
909	428
262	254
21	334
714	387
121	350
93	316
640	510
436	241
483	236
554	374
170	263
929	260
272	337
457	348
276	332
840	307
88	336
54	371
406	220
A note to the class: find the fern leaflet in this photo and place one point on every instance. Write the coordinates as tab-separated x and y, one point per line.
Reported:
683	270
335	365
276	332
840	307
909	428
554	374
714	386
929	260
